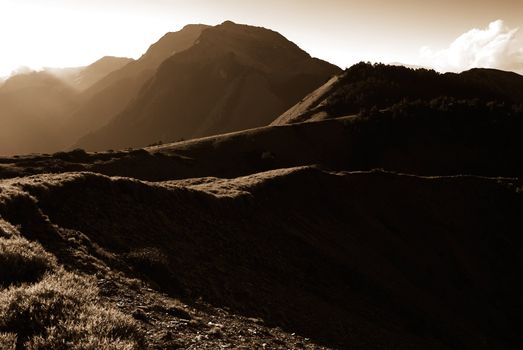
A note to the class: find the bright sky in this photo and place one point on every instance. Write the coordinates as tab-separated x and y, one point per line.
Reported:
446	34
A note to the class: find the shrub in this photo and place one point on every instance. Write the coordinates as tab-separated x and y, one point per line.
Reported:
6	229
7	341
77	155
154	265
63	312
150	261
23	261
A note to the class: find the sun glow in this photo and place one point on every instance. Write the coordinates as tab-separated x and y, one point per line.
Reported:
39	35
61	33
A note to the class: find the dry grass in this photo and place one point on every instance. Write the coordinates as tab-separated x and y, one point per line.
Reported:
44	307
60	310
7	341
23	261
63	311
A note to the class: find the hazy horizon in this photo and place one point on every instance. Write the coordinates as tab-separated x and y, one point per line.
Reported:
447	37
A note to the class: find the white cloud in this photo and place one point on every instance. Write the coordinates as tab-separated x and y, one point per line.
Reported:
496	46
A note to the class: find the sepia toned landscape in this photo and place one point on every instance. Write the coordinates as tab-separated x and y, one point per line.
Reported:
225	188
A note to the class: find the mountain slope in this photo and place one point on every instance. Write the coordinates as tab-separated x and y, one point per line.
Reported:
31	107
98	70
211	88
110	95
364	86
443	137
81	78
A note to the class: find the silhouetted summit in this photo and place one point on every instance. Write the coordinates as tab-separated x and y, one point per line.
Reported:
111	94
235	77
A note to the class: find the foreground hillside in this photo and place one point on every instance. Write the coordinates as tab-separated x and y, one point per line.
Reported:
365	260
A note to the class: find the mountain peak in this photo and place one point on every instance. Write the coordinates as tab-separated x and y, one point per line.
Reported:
30	79
210	88
171	43
194	26
228	23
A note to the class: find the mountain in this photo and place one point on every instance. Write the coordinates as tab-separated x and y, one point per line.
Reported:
365	86
81	78
31	106
35	105
99	70
212	87
110	95
68	75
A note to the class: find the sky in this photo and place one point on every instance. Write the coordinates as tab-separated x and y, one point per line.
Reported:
448	35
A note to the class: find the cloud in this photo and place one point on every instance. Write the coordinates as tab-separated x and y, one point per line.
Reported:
493	47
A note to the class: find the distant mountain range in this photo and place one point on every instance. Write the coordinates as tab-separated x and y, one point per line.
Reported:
198	81
234	77
203	81
82	78
31	107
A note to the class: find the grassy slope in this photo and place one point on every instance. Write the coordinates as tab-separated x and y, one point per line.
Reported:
70	291
359	259
428	144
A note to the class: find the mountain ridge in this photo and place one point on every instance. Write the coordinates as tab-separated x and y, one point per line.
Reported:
364	86
111	94
82	78
198	92
27	127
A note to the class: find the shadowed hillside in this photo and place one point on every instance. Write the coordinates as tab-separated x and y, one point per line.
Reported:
441	137
359	260
212	87
366	86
